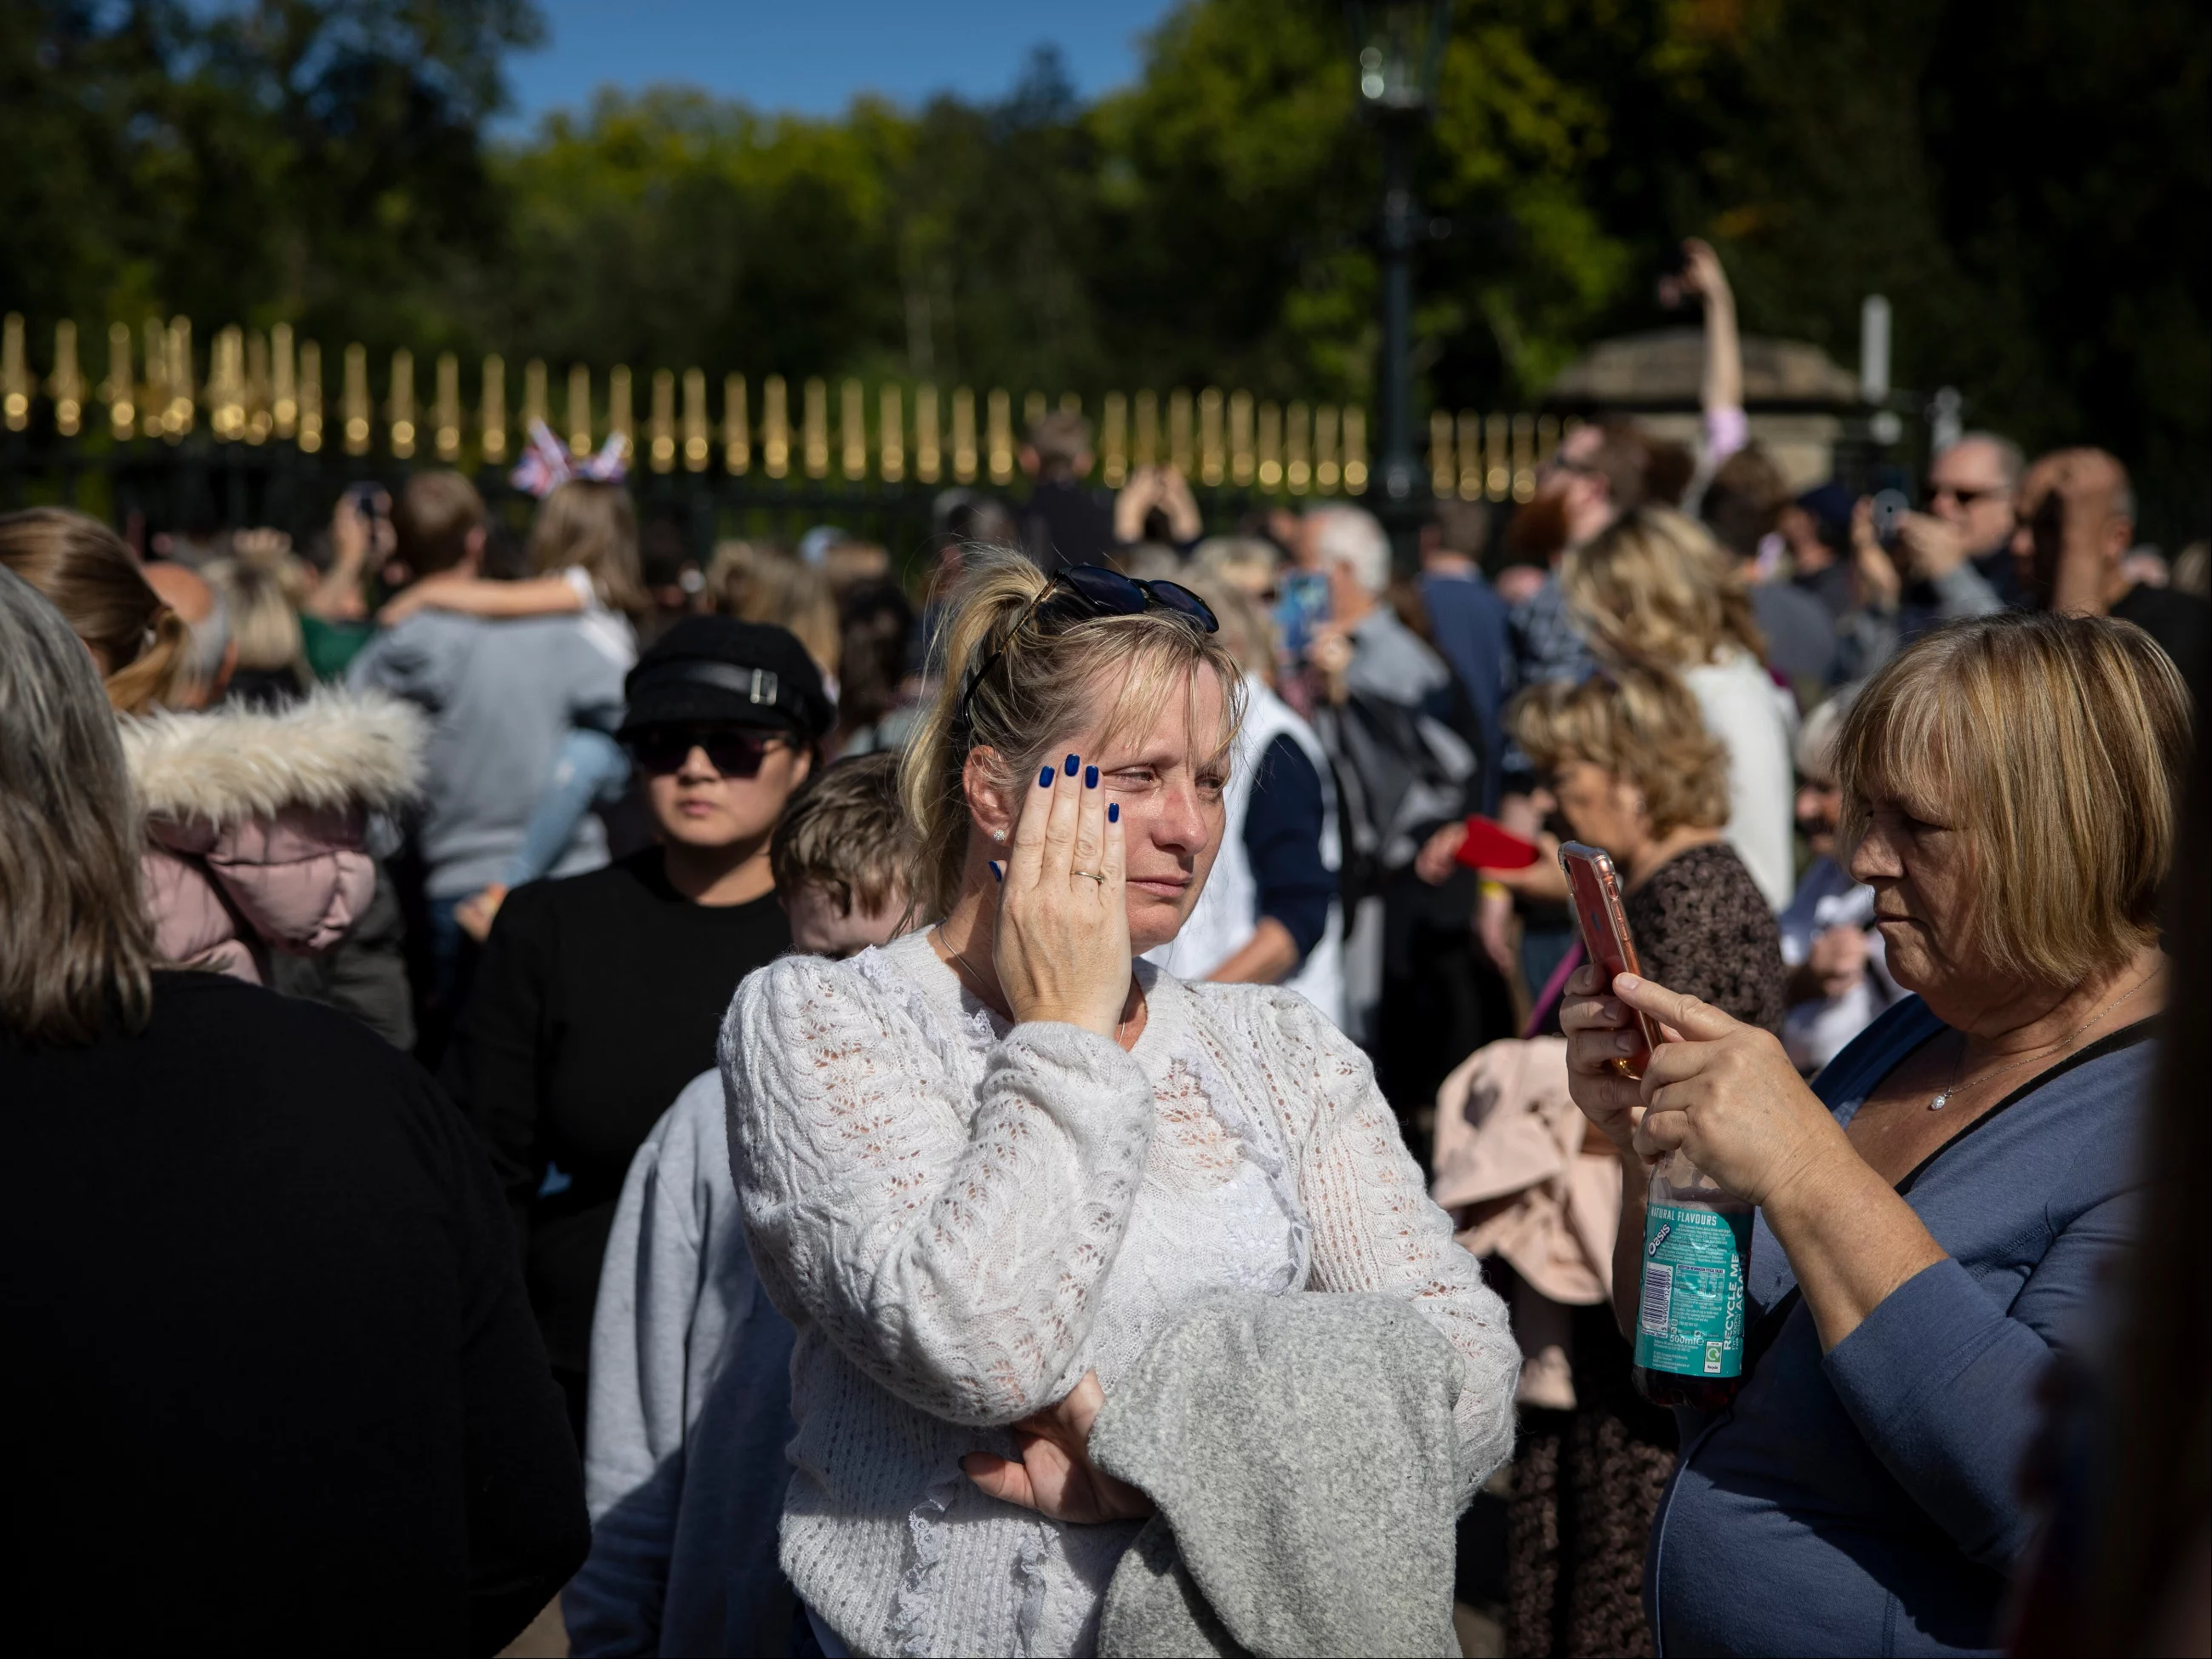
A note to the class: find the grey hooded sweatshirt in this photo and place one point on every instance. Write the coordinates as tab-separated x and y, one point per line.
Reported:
689	1414
501	697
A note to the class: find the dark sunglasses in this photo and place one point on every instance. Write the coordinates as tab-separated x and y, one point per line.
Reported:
1964	497
1082	592
735	752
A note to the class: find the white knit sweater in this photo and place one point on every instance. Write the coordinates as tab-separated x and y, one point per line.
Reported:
962	1218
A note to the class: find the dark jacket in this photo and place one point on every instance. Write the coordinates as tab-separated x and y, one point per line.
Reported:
278	1382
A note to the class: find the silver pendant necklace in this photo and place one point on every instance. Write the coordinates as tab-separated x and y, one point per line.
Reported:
1952	1087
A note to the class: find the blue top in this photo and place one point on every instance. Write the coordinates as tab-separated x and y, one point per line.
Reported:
1866	1501
1468	622
1282	842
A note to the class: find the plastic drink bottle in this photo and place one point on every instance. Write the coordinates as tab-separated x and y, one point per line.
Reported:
1689	1313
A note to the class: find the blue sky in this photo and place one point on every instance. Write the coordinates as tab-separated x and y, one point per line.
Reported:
815	56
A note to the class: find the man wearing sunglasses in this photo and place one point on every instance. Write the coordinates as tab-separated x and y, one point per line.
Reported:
600	997
1971	487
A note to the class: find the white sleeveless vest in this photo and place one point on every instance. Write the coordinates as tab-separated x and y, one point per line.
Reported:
1227	913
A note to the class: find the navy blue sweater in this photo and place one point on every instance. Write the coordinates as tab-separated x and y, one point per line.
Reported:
1867	1500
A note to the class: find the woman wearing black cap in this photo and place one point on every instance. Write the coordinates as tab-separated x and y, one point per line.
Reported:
599	996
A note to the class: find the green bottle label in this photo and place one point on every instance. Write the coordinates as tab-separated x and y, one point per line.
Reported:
1690	1317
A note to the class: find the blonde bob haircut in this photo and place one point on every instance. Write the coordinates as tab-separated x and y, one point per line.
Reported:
1043	687
1654	588
2056	747
1642	725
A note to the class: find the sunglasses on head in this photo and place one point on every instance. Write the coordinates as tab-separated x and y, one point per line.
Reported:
1082	592
735	752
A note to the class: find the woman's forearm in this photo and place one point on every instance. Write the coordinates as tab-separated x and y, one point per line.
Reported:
1266	958
1850	1241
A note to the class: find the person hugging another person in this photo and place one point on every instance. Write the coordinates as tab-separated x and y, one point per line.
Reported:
583	545
690	1376
599	996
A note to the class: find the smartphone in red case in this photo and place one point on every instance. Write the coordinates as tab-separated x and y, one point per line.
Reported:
1596	889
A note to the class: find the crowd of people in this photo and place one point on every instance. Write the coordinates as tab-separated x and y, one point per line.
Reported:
806	1104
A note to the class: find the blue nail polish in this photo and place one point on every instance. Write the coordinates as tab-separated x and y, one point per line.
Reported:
997	874
1044	779
1073	761
1113	813
1090	777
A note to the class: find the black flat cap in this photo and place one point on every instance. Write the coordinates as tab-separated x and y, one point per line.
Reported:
719	670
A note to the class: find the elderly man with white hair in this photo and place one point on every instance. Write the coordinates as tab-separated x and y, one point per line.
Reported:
1400	730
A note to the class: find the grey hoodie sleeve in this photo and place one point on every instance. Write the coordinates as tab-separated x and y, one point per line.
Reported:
634	1439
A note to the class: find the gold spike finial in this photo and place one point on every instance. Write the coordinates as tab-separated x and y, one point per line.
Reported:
491	411
310	398
1001	435
401	407
118	391
283	384
67	386
928	451
891	434
446	416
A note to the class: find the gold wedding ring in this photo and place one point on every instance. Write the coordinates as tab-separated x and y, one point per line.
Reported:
1093	874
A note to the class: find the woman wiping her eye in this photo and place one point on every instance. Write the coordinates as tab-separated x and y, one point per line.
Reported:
984	1167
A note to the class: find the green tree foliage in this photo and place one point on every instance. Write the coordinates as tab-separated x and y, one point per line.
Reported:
2028	183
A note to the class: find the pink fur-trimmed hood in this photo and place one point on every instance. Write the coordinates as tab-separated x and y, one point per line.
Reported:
255	823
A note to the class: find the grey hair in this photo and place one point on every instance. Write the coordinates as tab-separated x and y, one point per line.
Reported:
2012	461
1354	537
77	951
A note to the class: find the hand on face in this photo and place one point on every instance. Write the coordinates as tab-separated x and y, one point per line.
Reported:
1061	944
1153	797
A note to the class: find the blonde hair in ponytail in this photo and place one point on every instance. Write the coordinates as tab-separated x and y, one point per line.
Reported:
1041	689
86	572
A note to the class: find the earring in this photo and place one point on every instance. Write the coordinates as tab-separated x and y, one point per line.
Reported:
998	835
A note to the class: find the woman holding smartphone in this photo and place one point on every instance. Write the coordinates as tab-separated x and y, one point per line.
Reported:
1935	1213
983	1166
1637	775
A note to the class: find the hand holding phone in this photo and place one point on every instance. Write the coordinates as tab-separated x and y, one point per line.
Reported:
1594	888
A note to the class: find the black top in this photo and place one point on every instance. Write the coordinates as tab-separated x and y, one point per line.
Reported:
2177	621
1702	927
272	1374
1282	841
1065	522
597	999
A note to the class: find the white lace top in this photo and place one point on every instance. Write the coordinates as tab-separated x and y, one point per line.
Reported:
962	1217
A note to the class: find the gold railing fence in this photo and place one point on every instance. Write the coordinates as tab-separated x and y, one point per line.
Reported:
260	388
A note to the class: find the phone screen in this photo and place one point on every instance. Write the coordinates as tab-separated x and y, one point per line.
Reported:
1598	911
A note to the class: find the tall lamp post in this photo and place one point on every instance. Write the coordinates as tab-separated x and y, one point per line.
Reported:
1401	47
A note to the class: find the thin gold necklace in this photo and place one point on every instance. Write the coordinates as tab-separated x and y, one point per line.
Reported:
967	971
1975	1081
